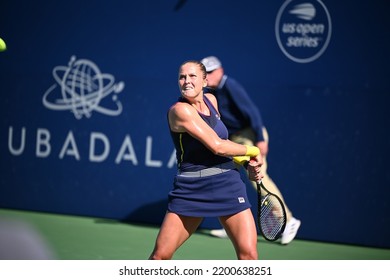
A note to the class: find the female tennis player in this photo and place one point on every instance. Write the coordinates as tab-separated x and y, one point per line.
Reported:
207	183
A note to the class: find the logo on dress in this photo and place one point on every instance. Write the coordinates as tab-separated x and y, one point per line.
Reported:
241	199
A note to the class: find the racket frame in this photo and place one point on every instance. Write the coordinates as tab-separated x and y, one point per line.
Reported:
260	201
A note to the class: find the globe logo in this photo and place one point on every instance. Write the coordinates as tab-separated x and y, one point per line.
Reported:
82	87
303	29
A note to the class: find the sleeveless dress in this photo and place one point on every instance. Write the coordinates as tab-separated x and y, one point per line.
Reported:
211	196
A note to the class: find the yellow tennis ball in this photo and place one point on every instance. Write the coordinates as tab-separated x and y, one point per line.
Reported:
3	46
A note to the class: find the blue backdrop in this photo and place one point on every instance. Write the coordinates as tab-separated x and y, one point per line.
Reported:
85	87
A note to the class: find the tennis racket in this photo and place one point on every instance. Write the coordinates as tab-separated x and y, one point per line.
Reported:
271	213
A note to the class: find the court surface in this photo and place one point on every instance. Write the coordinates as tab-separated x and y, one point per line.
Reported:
86	238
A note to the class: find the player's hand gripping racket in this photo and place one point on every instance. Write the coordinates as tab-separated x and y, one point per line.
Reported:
271	213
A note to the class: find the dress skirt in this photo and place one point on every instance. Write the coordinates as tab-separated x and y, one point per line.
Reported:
211	196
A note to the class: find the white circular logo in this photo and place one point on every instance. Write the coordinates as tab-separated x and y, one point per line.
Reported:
303	29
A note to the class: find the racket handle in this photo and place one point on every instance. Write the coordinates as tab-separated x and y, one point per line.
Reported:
251	161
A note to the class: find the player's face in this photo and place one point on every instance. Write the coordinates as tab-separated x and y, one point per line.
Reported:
191	81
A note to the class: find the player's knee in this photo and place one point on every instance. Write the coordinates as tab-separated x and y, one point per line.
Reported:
248	255
157	255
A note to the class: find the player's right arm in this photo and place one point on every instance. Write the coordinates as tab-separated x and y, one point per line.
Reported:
184	118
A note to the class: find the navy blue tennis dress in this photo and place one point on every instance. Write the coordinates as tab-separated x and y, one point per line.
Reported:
209	195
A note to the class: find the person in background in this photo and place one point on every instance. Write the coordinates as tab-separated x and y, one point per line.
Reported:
244	123
207	183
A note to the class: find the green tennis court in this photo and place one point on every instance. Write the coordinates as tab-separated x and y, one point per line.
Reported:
87	238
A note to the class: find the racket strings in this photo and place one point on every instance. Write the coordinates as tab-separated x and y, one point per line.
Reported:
272	217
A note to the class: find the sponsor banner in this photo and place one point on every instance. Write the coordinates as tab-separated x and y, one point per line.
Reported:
85	90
